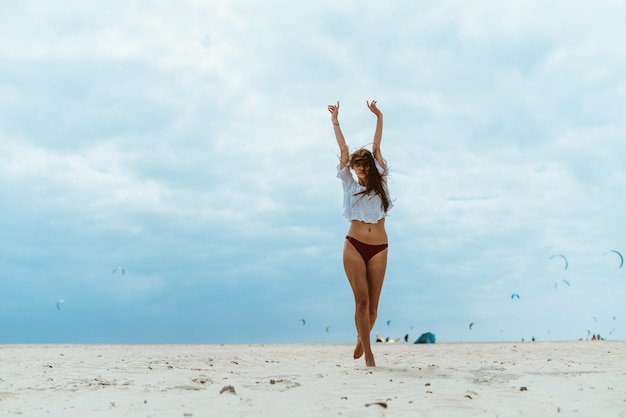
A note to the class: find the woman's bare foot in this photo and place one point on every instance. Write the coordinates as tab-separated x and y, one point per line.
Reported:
358	350
369	360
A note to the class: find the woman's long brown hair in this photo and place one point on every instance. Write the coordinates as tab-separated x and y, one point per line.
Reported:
375	180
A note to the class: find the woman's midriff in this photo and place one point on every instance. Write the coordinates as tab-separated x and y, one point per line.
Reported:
368	233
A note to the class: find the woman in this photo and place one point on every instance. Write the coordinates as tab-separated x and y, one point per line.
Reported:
365	204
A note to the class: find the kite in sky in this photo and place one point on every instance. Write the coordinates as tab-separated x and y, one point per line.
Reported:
558	282
564	259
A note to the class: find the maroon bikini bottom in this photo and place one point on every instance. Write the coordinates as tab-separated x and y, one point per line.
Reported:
367	251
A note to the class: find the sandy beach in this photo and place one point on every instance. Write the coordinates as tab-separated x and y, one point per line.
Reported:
582	379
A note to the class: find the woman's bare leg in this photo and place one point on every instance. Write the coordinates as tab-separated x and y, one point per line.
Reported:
356	272
375	271
376	268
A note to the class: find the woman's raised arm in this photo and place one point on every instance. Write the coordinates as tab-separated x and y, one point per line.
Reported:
378	133
343	148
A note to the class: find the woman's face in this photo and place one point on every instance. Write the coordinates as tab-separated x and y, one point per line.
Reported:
361	171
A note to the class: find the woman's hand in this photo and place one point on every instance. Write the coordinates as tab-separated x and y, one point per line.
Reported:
334	112
375	110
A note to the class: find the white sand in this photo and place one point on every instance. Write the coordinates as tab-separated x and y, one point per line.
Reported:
565	379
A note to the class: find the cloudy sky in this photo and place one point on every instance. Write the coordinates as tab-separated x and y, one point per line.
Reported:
189	143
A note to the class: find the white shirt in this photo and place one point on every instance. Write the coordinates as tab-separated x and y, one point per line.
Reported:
361	207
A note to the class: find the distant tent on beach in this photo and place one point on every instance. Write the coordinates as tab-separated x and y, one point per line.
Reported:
426	338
